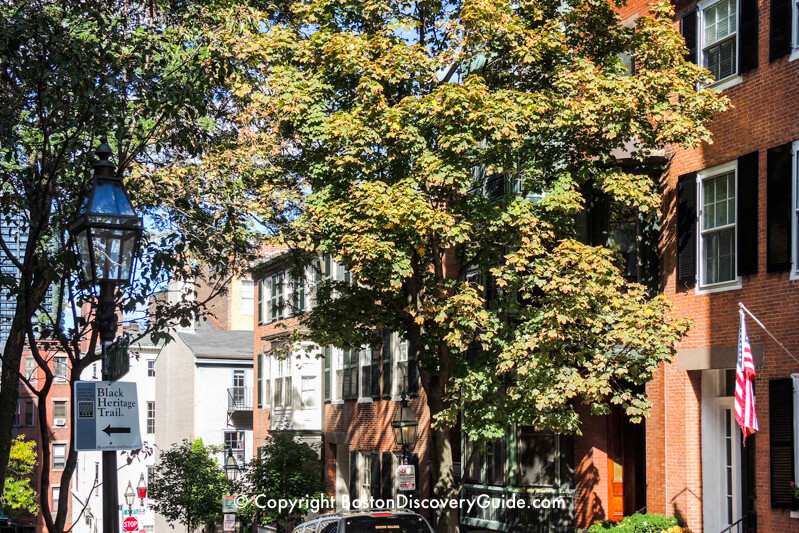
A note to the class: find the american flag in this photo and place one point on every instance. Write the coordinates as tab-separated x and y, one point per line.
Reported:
745	412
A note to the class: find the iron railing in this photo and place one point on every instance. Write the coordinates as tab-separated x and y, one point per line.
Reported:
239	399
746	524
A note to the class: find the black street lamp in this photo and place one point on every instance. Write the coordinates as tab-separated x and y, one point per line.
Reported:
231	466
106	233
404	426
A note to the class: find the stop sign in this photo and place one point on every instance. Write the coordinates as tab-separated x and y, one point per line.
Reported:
130	524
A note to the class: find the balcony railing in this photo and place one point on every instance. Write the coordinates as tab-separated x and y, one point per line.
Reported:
239	399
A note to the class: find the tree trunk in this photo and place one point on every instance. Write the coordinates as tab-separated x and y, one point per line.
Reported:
446	520
9	393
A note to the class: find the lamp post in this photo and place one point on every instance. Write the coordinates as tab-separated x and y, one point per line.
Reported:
141	488
130	497
404	426
106	233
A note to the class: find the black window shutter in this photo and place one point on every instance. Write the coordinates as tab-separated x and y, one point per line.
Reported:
260	380
686	229
747	214
779	43
355	363
386	474
413	374
688	30
387	363
327	356
375	475
747	36
780	400
778	209
353	477
375	371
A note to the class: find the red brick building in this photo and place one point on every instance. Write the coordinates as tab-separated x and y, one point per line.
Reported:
729	235
27	422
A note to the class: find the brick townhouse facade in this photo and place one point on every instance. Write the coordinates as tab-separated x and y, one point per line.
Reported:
729	235
26	422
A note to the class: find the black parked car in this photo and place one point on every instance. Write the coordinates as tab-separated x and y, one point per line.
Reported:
382	521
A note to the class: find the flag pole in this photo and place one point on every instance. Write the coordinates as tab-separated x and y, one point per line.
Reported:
759	323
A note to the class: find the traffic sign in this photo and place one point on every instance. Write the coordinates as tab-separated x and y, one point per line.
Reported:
106	416
130	524
407	477
230	523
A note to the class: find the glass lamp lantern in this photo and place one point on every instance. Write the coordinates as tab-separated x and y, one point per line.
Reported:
141	488
130	496
404	426
231	466
106	230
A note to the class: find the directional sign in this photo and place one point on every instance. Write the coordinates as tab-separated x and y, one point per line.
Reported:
106	416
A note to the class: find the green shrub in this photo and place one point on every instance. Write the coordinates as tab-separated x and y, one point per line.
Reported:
637	523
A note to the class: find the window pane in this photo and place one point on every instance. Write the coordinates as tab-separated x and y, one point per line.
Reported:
538	459
60	409
720	20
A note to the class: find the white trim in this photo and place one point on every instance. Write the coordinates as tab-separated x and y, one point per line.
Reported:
794	55
736	282
726	83
364	399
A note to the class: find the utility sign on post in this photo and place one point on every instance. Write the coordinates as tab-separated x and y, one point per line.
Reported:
406	475
106	416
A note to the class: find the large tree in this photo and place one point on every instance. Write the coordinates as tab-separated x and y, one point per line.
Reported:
401	115
160	79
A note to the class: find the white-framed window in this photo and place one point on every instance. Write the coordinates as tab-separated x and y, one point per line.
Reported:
59	455
276	296
56	492
151	417
150	474
338	367
400	381
365	475
278	388
234	441
308	391
263	288
151	368
289	399
265	381
717	221
247	297
60	368
718	37
365	356
59	414
30	368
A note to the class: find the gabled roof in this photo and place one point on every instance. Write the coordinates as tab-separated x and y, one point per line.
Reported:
209	342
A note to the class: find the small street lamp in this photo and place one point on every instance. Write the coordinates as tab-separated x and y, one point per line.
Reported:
231	466
141	488
106	233
130	497
404	426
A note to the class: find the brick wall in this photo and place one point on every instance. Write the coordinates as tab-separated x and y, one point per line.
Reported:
764	114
